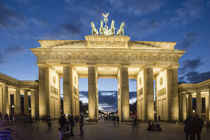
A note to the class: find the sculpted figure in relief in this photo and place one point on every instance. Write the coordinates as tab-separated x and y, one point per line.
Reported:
94	30
101	29
121	30
112	29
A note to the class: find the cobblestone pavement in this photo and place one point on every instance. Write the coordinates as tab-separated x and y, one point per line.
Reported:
101	131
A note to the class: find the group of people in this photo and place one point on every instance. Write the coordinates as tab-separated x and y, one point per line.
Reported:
67	124
193	127
7	118
154	126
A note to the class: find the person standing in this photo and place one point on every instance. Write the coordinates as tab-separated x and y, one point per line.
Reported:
81	122
71	122
188	128
198	126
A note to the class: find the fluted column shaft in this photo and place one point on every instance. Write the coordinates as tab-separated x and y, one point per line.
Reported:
18	103
5	104
189	104
124	88
183	106
148	94
44	90
92	91
198	103
26	104
67	90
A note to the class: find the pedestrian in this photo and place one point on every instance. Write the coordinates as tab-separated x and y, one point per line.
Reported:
81	122
71	122
6	116
187	127
198	124
134	123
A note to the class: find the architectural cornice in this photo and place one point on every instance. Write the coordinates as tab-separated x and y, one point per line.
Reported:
196	86
5	79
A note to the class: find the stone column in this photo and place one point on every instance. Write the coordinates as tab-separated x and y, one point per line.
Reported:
124	88
34	104
92	91
189	104
198	103
172	88
18	103
67	90
148	94
44	90
208	106
5	104
183	106
26	104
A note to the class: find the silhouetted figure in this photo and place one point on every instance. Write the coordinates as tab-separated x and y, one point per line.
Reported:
134	123
118	119
63	123
48	121
6	116
188	127
11	117
198	126
1	117
207	125
81	124
71	122
149	125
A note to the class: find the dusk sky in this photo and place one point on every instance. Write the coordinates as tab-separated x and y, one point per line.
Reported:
24	22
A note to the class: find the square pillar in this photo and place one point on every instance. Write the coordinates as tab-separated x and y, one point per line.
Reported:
172	96
148	94
124	93
44	90
17	102
5	103
198	103
26	103
67	90
183	106
92	93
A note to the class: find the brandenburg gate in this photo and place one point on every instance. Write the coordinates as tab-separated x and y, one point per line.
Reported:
106	54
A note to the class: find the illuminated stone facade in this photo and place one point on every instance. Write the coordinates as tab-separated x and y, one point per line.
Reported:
201	93
100	56
11	91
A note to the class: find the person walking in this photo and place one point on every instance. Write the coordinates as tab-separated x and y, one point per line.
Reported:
134	124
81	122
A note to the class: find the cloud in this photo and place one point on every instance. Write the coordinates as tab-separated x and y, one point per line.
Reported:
10	18
72	28
12	49
144	27
189	10
188	41
107	99
190	65
1	58
196	77
136	7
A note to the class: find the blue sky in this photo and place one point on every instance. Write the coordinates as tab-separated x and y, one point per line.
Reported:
24	22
